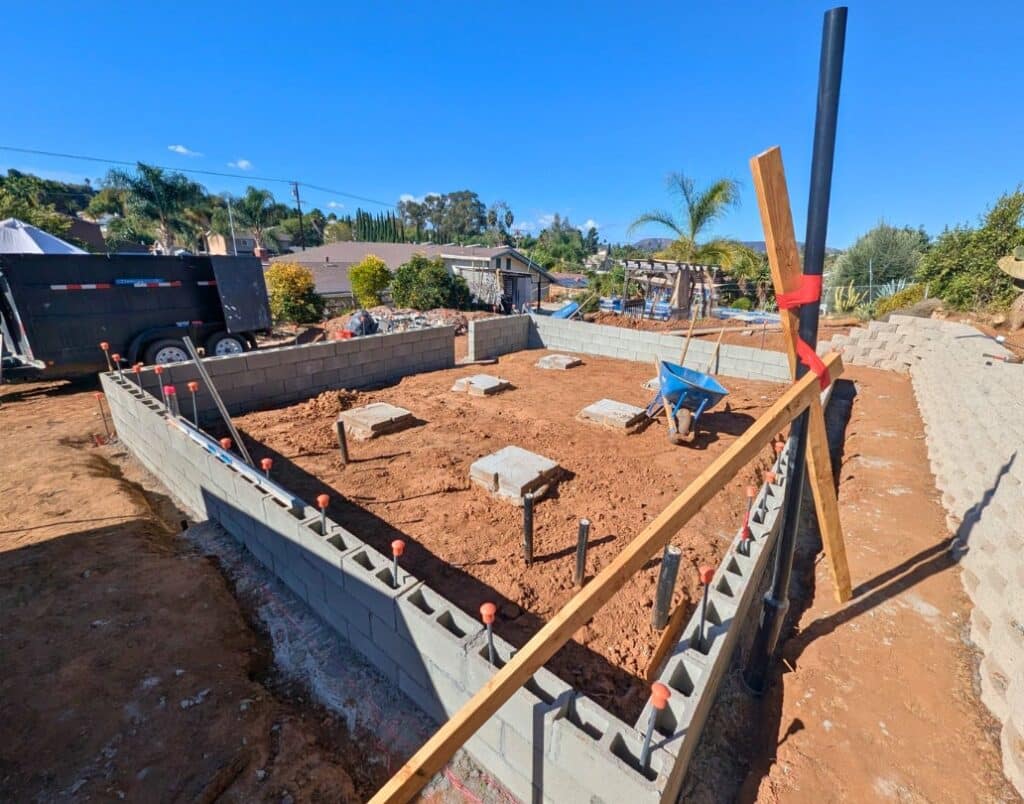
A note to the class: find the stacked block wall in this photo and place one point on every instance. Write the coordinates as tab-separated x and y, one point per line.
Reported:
629	344
288	374
548	742
492	337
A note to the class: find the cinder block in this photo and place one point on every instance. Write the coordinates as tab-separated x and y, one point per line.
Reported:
368	579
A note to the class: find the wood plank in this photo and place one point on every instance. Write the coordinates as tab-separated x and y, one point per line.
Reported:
784	261
669	638
581	608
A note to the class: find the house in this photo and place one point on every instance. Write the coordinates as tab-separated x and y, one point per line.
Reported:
499	275
89	233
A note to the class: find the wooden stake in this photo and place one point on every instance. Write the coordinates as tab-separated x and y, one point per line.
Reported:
784	260
713	361
689	335
582	607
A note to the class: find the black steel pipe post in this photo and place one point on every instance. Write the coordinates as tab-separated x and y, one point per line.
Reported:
581	551
776	600
666	586
528	528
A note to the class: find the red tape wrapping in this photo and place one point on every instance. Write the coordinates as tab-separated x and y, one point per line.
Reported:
809	292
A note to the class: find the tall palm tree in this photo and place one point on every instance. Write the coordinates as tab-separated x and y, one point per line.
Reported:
255	211
153	195
701	207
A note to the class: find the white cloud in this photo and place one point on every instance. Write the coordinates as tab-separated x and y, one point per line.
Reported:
417	198
544	221
590	224
241	164
183	150
335	205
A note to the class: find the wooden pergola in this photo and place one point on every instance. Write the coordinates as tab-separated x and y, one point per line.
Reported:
687	280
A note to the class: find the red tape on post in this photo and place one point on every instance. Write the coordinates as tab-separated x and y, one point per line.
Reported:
809	292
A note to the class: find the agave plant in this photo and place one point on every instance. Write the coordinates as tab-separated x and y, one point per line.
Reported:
891	288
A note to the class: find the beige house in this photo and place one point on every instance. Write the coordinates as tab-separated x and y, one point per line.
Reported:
245	244
500	275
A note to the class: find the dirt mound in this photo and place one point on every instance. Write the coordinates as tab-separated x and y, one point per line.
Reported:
329	403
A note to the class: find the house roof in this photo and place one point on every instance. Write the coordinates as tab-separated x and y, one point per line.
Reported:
395	254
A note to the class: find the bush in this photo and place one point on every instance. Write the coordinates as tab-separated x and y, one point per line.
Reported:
369	279
425	284
743	303
900	300
293	296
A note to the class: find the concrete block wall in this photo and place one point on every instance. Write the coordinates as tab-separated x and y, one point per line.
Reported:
492	337
627	344
973	416
548	742
288	374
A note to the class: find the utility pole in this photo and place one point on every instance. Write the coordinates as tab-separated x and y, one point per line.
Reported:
231	222
298	203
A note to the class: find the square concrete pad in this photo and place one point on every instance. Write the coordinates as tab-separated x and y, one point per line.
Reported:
513	471
376	419
481	385
559	362
613	414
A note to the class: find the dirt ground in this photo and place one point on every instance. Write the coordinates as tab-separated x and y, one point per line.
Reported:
415	485
878	699
127	668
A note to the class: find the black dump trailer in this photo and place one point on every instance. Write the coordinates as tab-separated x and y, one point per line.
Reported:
56	309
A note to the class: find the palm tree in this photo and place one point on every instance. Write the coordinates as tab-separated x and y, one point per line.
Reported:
255	211
701	207
163	198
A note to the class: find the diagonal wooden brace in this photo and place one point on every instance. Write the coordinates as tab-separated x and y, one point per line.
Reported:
784	261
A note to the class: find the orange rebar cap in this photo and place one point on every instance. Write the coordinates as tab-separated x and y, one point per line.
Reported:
779	446
116	358
266	463
225	443
397	547
169	390
322	501
751	491
487	612
193	386
137	368
158	369
104	345
770	477
660	695
706	574
98	395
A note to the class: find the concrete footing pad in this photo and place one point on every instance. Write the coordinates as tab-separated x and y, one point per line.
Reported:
481	385
559	362
375	419
617	415
511	472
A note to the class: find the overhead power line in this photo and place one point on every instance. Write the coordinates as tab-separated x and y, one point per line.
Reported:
199	172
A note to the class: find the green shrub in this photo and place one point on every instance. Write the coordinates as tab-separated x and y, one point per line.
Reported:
292	294
425	284
369	279
743	303
900	300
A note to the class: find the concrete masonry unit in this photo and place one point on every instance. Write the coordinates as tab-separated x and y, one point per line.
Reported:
378	418
559	362
549	742
481	385
513	471
617	415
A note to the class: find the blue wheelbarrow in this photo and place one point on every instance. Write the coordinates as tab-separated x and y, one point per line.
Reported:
685	395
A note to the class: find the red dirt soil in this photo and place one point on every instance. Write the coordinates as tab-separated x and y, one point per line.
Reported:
415	485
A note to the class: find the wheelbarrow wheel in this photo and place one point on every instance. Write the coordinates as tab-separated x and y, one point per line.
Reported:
683	421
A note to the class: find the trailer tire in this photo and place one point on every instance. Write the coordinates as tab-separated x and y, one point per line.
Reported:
166	350
222	343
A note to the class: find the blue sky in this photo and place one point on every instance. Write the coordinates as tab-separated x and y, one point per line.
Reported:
570	108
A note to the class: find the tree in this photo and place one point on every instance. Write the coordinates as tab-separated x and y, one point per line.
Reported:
338	231
961	265
26	209
591	241
560	246
292	294
256	212
161	198
369	277
701	207
425	284
883	254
